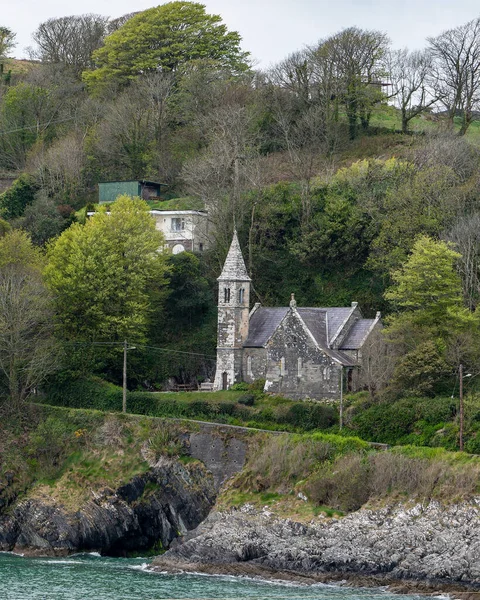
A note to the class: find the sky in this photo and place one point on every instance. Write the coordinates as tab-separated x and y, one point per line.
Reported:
271	29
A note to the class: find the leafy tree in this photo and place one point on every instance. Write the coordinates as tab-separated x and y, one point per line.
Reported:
27	112
161	39
428	285
28	351
100	273
430	331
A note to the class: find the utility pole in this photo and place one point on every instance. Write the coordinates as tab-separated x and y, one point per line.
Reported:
124	403
341	398
460	370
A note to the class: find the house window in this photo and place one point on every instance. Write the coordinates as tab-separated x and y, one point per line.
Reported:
178	224
200	247
226	295
241	295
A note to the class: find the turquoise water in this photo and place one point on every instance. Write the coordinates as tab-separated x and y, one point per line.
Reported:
90	577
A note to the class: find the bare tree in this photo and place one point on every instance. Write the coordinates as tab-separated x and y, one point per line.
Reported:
114	24
70	40
378	363
465	234
295	74
7	41
456	53
409	73
131	136
355	56
28	352
227	169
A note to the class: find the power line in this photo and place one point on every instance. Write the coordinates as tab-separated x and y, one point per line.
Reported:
177	351
38	126
157	348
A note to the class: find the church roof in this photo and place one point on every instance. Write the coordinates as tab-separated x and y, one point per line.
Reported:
263	324
265	321
234	268
357	334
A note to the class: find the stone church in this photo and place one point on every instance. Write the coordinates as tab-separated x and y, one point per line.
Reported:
300	352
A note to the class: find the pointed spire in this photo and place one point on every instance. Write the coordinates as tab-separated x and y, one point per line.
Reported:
234	268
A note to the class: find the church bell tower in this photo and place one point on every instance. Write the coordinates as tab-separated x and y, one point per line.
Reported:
233	317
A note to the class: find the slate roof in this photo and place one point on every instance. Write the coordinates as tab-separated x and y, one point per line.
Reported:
316	321
234	268
336	317
357	334
265	321
263	324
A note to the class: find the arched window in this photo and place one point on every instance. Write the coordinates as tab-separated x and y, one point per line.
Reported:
241	295
249	366
282	366
226	295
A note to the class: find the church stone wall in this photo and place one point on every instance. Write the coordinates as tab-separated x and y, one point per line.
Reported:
296	367
254	364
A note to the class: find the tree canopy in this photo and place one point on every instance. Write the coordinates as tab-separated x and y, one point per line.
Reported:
100	272
162	38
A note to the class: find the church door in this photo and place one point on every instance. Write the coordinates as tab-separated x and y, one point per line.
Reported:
224	381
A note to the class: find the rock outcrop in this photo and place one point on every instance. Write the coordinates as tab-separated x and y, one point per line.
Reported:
168	500
422	542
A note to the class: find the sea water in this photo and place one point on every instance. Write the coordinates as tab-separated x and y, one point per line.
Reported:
94	577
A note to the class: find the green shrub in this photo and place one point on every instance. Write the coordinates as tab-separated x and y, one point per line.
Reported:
247	400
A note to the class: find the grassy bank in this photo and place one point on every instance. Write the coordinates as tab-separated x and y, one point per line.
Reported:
245	405
66	453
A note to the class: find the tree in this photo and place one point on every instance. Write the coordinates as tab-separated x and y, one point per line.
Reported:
70	40
7	41
28	351
428	285
430	331
354	57
465	235
456	53
100	273
21	194
409	76
161	39
132	134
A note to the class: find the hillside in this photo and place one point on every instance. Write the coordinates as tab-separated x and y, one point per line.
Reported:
90	481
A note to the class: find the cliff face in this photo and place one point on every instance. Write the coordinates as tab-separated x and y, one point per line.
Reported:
168	500
424	542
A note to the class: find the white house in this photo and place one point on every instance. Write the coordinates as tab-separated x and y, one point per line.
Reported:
183	229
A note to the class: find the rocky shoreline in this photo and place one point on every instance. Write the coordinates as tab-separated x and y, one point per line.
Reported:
422	548
153	508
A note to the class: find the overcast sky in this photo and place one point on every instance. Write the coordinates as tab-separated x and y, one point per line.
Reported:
271	29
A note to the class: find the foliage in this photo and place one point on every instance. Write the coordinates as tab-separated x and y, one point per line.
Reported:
162	38
101	273
28	352
223	407
21	194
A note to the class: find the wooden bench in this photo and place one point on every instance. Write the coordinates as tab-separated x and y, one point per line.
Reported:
183	387
206	386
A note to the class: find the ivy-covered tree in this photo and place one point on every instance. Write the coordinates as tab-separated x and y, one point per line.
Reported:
161	39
